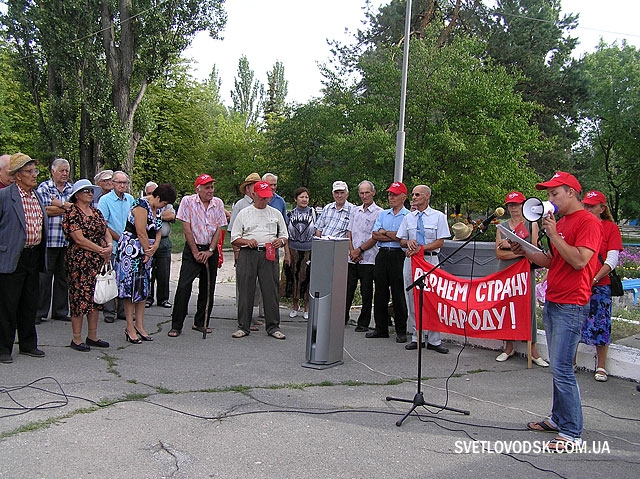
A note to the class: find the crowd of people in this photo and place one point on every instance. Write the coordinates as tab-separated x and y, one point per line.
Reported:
54	245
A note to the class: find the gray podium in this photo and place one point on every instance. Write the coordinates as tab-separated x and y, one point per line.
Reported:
327	300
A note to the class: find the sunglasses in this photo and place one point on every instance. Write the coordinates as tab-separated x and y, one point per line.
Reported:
88	191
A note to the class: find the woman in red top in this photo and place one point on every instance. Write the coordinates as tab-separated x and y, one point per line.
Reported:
597	328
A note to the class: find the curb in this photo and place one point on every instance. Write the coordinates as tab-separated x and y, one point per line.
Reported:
622	361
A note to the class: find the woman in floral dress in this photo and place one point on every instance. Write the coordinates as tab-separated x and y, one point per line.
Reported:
138	243
89	248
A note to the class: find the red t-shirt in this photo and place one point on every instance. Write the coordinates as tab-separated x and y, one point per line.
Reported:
611	240
565	284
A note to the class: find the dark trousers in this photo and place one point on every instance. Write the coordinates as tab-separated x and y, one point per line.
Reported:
17	302
189	271
253	264
160	271
364	274
388	277
57	272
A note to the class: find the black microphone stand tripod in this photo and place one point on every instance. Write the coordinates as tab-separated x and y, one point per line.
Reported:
418	399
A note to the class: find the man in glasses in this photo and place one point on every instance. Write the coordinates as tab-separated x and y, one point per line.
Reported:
115	207
55	193
23	236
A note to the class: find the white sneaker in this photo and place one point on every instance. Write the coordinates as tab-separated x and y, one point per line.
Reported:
293	313
306	315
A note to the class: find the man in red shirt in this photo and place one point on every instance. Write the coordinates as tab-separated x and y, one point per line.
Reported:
572	265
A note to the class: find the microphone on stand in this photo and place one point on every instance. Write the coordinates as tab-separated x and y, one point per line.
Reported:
499	211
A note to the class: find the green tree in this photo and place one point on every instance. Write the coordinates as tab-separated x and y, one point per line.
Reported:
88	64
277	89
532	39
247	93
609	124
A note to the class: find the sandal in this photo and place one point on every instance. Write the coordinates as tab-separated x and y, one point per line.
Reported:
254	327
174	333
240	333
541	426
201	329
278	335
601	375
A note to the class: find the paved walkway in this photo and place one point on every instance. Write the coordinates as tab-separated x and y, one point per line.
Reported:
219	407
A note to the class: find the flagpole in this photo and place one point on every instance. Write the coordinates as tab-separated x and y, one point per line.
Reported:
400	136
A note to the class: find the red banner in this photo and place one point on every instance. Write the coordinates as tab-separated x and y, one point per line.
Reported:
497	306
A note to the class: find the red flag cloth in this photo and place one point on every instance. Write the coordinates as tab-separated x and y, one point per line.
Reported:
497	306
220	243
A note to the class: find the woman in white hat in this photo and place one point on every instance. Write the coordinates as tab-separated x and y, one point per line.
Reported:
89	248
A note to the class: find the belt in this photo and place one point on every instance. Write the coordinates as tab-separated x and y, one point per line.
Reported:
261	248
32	246
389	249
431	253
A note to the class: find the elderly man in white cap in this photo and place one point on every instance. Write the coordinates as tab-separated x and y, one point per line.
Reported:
104	180
334	219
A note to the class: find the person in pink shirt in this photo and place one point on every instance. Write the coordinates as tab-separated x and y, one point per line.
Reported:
202	216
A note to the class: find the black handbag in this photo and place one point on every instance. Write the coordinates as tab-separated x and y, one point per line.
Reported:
616	282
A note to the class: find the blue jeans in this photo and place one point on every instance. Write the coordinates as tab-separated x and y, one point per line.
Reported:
563	325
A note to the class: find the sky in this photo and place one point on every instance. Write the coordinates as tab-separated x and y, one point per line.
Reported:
295	32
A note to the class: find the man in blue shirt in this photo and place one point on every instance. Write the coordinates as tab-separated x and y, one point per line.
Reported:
115	207
277	201
387	273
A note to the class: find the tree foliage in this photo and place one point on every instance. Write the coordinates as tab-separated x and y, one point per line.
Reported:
247	93
609	125
88	63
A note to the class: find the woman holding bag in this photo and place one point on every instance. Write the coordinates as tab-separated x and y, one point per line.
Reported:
89	249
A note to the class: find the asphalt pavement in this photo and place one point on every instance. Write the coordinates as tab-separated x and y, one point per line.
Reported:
190	407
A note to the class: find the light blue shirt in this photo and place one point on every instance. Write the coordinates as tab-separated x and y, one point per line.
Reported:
278	203
390	222
115	210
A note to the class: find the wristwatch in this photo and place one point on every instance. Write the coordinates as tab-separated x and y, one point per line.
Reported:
211	250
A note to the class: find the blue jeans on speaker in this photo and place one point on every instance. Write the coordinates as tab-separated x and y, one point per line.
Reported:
563	326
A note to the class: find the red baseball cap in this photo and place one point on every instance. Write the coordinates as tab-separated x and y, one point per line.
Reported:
559	179
204	179
514	197
397	188
594	198
262	189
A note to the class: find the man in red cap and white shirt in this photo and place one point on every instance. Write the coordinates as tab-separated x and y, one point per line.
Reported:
572	264
258	231
202	216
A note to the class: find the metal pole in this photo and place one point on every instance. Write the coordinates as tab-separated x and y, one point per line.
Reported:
399	165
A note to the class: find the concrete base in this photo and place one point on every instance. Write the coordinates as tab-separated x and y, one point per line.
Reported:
622	361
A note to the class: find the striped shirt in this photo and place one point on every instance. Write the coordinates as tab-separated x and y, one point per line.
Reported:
333	221
203	221
33	217
48	191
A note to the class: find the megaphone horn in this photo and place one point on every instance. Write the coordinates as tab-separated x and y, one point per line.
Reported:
534	208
